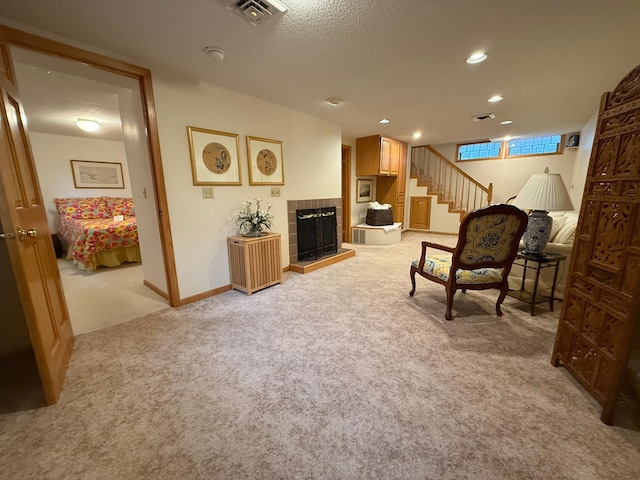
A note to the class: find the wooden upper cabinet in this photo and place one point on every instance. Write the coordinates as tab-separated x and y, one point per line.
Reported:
402	169
385	157
378	155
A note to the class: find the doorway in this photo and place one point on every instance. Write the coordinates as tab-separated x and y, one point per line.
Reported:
55	92
346	193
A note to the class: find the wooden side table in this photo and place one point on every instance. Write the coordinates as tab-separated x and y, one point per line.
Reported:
537	263
254	262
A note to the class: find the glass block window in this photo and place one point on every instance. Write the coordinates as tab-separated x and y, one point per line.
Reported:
479	151
547	145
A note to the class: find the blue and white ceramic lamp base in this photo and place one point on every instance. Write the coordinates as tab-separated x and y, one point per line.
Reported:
536	235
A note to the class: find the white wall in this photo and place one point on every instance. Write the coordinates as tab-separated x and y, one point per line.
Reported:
52	155
142	187
581	164
200	227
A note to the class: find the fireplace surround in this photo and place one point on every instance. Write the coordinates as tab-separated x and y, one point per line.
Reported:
324	203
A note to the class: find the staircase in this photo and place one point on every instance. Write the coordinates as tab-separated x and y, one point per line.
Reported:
452	186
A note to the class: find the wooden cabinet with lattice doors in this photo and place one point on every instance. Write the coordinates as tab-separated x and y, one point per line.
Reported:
601	307
254	263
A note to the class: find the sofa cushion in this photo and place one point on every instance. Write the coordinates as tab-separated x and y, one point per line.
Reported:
559	219
568	230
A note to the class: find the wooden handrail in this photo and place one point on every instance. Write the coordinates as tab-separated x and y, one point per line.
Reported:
457	169
448	181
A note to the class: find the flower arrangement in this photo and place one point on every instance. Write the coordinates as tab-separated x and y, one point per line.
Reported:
250	222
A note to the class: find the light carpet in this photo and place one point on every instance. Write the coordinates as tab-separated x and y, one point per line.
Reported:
336	374
106	296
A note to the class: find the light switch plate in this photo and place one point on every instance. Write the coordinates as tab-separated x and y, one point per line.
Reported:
207	192
275	191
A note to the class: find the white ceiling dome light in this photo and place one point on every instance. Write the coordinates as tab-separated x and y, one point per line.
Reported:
477	58
214	52
87	125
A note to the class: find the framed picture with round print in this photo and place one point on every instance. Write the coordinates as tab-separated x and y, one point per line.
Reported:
214	157
265	161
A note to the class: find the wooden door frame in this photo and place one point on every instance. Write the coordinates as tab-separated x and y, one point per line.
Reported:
46	46
346	183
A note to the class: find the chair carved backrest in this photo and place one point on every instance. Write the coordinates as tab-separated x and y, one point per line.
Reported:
489	237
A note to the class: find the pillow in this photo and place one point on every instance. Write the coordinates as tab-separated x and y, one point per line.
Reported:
120	206
91	207
558	222
567	232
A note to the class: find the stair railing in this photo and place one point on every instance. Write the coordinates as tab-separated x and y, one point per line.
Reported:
449	182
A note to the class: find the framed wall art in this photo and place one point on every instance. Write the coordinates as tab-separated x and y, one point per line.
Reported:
214	157
97	174
365	191
265	161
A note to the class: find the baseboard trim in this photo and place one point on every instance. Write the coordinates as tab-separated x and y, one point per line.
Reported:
203	295
156	289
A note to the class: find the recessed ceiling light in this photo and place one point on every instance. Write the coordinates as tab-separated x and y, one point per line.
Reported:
416	135
477	57
334	101
506	122
385	120
495	98
87	125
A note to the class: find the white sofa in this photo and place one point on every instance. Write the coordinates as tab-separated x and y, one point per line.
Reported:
560	241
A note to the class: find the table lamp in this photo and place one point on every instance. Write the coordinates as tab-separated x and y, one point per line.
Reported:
543	192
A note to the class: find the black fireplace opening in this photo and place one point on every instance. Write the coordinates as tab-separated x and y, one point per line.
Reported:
317	232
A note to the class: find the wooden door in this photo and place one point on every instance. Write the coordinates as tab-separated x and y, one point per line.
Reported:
601	308
401	184
29	241
385	156
346	194
420	213
402	169
394	157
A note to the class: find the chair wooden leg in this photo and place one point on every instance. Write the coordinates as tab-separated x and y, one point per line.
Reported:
503	294
450	293
412	274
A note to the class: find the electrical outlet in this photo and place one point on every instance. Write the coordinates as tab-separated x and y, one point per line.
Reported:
275	191
207	192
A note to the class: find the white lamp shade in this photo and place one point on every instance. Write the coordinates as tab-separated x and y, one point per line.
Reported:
544	191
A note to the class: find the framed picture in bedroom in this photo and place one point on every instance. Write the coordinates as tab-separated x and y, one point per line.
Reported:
97	174
266	165
214	157
364	189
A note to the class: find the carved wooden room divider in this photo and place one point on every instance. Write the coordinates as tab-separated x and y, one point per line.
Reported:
601	309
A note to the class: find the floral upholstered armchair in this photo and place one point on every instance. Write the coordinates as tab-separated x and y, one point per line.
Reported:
487	245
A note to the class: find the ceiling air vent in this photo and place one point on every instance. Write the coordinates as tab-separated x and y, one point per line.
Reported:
483	117
257	11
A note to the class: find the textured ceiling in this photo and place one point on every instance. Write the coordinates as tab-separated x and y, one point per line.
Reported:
401	59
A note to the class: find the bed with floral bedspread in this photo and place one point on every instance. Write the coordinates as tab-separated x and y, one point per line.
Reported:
94	233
